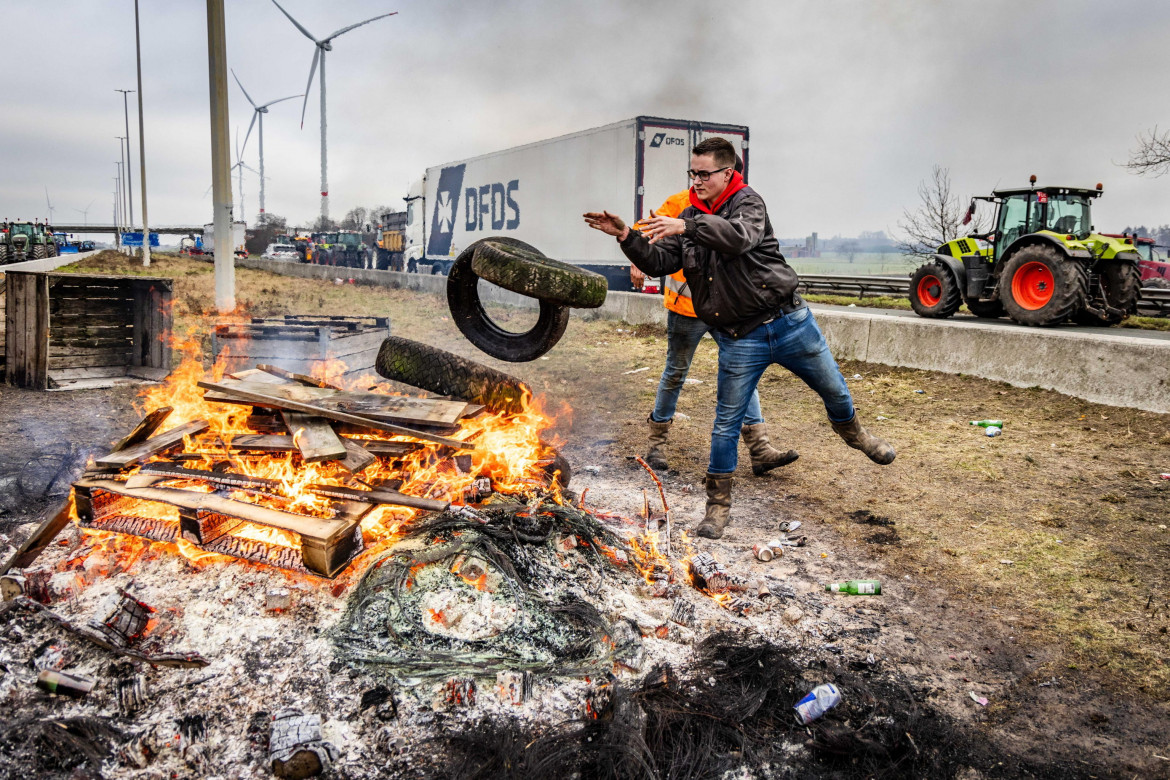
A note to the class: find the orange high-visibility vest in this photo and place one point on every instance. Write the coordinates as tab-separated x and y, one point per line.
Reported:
676	295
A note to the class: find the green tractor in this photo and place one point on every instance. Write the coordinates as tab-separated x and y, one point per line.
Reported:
1041	265
21	241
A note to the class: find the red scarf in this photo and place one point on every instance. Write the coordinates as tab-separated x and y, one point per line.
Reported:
735	185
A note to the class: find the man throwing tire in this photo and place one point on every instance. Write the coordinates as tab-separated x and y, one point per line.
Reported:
742	287
684	331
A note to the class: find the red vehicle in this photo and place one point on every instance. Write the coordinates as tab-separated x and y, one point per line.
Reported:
1154	266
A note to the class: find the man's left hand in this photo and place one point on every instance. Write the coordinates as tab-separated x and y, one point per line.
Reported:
658	228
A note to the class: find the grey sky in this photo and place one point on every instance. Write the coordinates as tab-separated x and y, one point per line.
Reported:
849	103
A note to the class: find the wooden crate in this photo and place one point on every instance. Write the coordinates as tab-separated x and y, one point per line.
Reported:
301	343
79	331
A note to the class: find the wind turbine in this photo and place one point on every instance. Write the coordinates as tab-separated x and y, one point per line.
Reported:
323	45
240	167
84	214
49	204
258	112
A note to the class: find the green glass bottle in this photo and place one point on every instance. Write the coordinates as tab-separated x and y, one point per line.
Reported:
988	423
856	587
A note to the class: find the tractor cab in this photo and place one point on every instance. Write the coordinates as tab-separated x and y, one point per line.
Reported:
1041	265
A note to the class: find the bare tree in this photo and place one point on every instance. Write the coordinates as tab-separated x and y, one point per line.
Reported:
937	220
1152	155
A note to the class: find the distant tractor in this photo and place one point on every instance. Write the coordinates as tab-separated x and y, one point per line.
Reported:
20	241
1154	267
1041	265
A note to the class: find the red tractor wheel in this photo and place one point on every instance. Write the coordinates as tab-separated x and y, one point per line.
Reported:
1043	286
934	292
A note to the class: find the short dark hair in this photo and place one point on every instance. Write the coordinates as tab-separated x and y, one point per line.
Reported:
720	149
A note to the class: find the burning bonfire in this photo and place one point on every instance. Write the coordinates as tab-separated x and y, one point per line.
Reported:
429	546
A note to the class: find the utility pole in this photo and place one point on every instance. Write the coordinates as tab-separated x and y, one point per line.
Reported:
221	176
126	178
117	229
141	143
129	189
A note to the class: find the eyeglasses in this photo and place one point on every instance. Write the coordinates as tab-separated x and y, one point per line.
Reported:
705	175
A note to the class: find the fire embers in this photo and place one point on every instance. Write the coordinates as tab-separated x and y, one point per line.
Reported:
296	747
708	574
125	619
457	694
514	687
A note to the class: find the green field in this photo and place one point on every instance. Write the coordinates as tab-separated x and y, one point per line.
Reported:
864	264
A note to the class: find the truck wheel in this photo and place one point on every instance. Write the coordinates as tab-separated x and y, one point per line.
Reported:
1122	283
525	270
934	292
988	310
441	372
1041	287
471	319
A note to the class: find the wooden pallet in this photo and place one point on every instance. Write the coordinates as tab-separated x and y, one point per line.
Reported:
302	343
76	331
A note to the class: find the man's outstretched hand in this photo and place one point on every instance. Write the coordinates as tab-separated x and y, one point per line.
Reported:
658	227
607	223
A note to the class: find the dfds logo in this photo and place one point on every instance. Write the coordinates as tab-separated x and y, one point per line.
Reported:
489	206
660	139
490	201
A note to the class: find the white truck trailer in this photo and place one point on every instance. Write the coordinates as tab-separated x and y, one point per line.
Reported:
239	238
538	192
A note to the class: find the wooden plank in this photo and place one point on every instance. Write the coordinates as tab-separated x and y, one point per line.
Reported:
314	437
161	325
148	373
321	529
257	375
391	408
357	457
152	446
39	539
270	442
93	360
381	496
296	406
92	372
144	429
301	379
39	349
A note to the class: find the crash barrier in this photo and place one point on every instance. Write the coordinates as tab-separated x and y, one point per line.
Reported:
1109	366
48	263
1151	301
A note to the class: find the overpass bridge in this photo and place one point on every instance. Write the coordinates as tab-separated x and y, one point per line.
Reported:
95	227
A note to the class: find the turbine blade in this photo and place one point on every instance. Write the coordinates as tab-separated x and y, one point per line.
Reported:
309	86
237	78
344	30
281	100
297	24
248	134
208	191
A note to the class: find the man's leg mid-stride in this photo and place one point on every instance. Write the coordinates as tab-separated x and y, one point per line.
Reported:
799	346
683	335
741	363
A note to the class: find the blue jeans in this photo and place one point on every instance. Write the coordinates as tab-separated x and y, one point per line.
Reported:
683	335
793	341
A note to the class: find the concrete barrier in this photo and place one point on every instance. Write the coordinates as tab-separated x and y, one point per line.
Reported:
1105	367
48	263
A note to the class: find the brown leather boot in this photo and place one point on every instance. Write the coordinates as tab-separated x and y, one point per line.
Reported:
658	432
765	457
858	438
718	506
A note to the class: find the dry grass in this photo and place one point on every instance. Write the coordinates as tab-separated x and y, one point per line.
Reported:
1069	494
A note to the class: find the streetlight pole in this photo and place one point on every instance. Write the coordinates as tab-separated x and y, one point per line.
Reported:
221	176
126	175
117	231
129	189
141	143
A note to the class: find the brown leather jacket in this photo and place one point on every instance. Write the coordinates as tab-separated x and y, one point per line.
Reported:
731	260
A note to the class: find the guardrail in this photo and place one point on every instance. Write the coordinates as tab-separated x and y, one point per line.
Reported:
1152	302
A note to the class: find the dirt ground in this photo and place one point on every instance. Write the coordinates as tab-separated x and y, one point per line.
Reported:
1029	569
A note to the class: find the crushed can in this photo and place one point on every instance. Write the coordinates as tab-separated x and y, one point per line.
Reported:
763	552
993	430
816	703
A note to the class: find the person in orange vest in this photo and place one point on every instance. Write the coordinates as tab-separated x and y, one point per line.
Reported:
684	331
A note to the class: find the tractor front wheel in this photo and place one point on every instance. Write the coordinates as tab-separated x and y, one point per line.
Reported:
1041	287
39	252
1122	284
934	292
